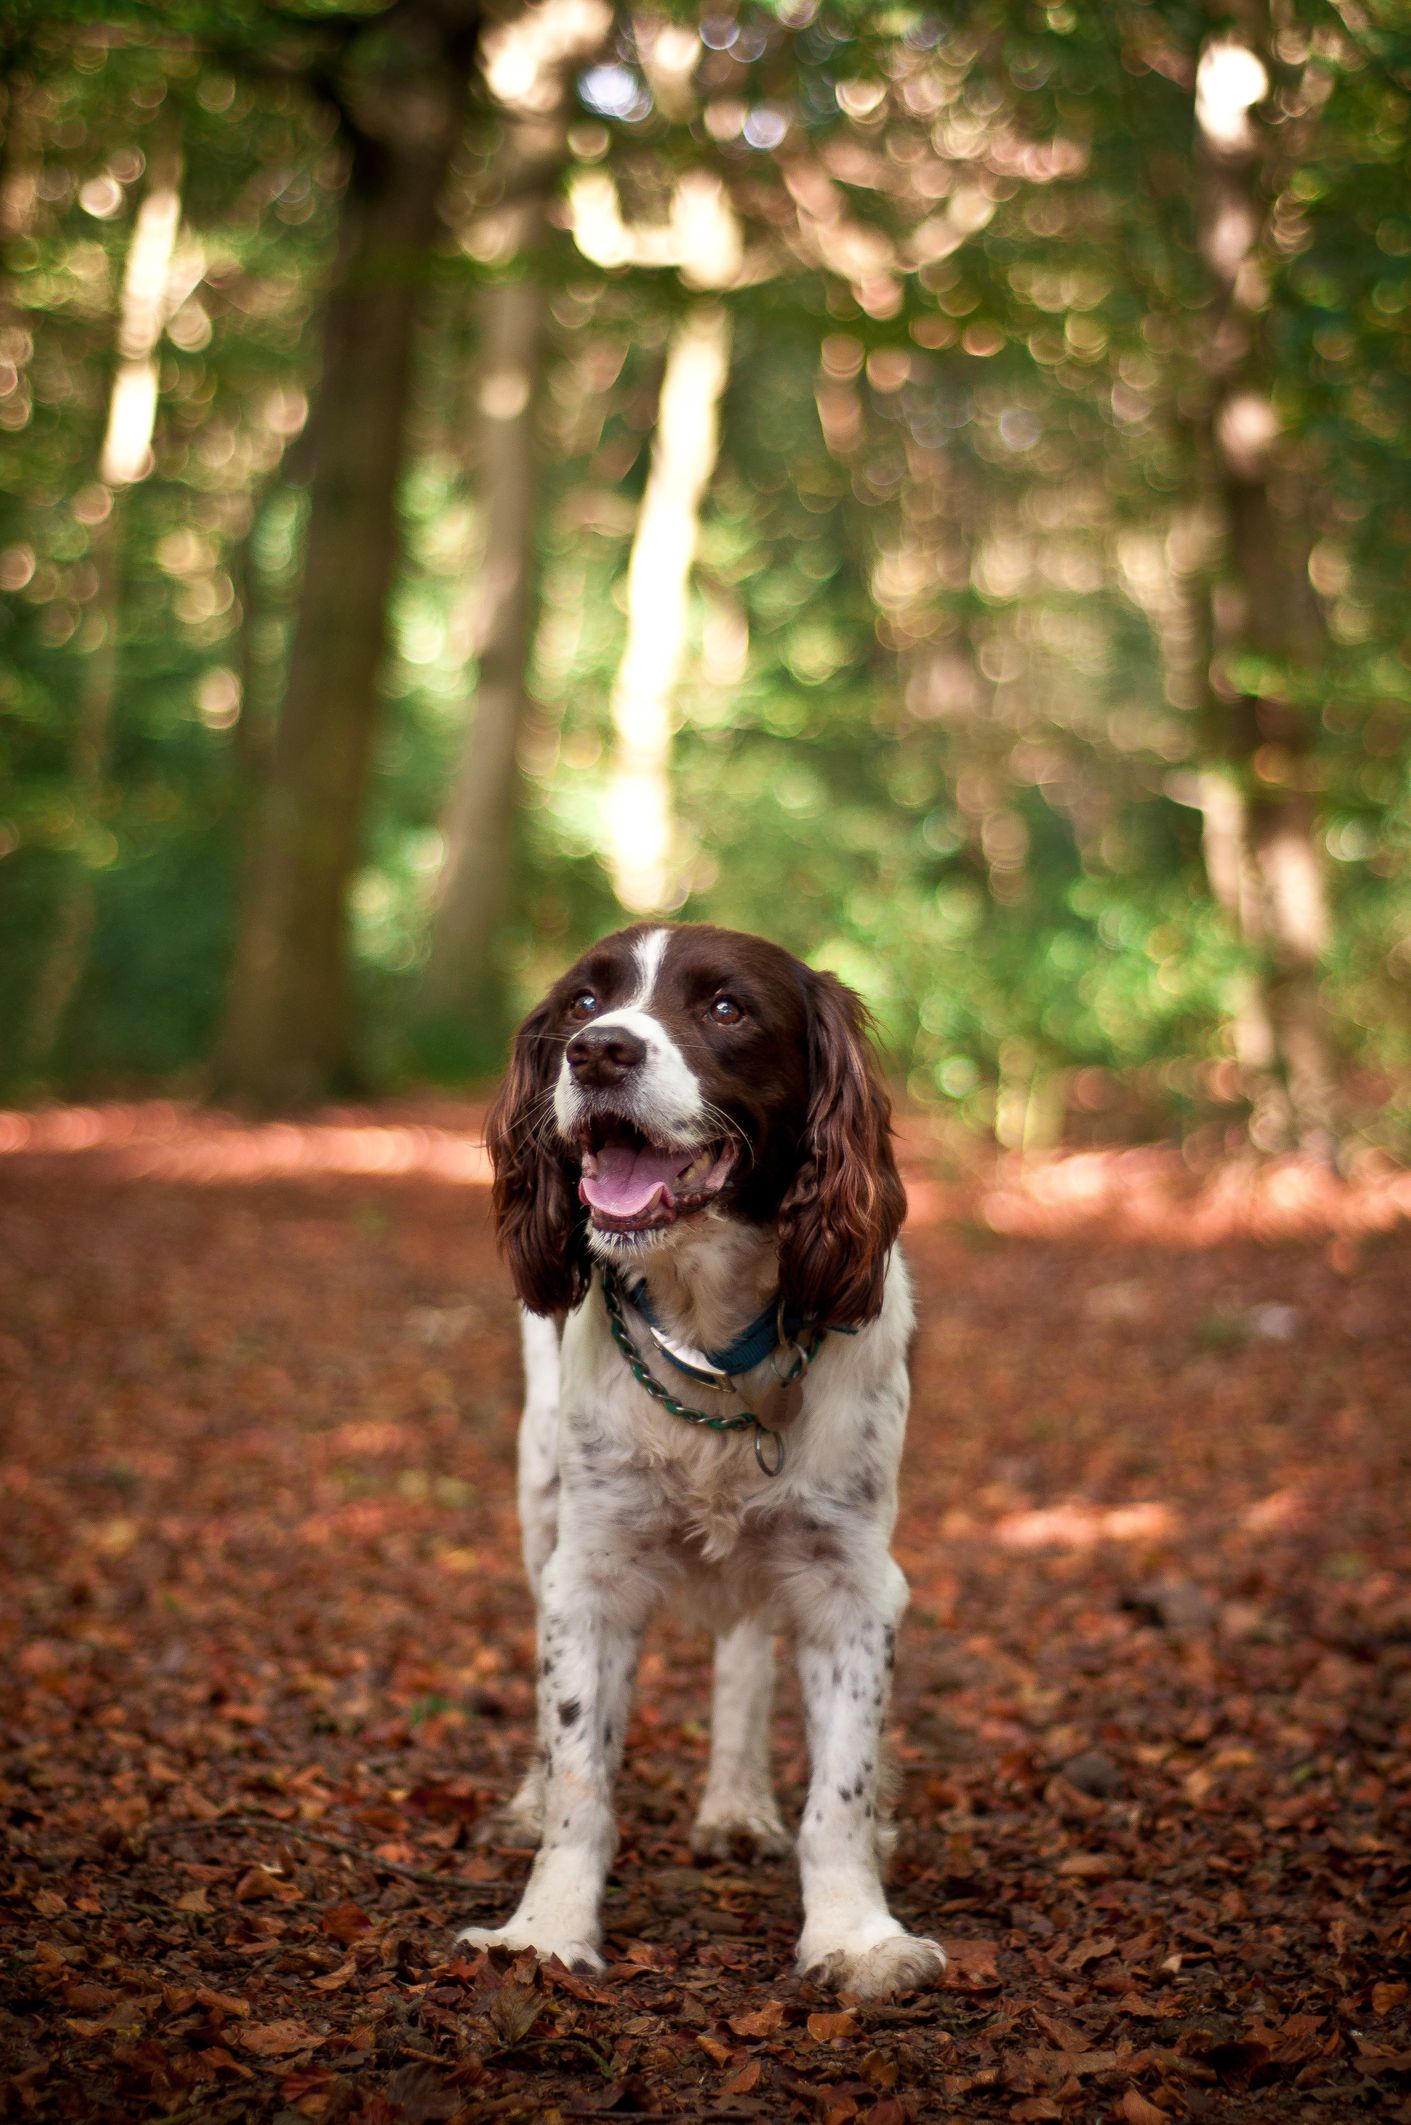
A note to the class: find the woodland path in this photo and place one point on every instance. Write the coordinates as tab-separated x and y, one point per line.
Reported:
267	1642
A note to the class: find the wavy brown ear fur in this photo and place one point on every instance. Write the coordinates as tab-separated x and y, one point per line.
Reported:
844	1209
537	1216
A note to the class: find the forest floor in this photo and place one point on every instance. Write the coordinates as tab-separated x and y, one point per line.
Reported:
269	1657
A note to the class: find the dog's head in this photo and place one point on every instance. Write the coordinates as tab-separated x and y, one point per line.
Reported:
678	1073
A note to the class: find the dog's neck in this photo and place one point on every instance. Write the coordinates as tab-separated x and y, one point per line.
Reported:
711	1280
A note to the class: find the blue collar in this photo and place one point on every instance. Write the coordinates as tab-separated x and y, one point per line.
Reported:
775	1325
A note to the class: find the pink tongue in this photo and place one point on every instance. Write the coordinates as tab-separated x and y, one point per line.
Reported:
627	1181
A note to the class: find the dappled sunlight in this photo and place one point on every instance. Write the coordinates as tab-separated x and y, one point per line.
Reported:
1145	1525
1151	1193
1148	1193
164	1140
1077	1525
1279	1512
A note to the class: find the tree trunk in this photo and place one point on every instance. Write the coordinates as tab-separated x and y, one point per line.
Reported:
1265	622
285	1038
478	822
640	835
126	456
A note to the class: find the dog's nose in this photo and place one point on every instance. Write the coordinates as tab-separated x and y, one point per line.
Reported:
604	1055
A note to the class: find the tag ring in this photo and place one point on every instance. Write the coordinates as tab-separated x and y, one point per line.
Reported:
774	1462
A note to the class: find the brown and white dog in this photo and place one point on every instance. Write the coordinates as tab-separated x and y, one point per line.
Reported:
693	1168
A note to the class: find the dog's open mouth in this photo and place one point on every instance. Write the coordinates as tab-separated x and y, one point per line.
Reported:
632	1183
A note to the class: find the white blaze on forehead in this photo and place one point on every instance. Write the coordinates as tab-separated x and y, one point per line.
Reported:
648	951
663	1096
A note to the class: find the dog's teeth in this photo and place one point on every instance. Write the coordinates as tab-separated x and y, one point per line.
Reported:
589	1165
698	1169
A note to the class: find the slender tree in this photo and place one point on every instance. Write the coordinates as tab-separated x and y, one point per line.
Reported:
701	237
640	838
1266	626
528	64
144	305
400	92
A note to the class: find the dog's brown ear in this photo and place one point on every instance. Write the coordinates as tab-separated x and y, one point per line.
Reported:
538	1220
844	1208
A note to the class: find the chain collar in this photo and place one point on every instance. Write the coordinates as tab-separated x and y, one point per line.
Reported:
768	1443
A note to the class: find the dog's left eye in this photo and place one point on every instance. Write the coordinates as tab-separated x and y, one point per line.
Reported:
725	1011
584	1004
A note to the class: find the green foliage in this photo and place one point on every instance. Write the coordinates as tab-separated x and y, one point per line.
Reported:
929	728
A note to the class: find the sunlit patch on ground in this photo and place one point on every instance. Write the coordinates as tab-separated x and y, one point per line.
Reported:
1152	1194
160	1140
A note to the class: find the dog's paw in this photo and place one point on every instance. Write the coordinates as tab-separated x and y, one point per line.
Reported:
874	1970
580	1956
739	1832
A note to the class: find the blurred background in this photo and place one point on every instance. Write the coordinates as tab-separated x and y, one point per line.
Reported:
928	484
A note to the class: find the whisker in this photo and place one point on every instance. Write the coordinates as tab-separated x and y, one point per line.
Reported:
731	1128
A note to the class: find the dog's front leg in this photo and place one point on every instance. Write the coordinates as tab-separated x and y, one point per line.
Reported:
590	1632
850	1938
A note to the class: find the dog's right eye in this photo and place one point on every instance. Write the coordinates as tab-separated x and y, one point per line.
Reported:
584	1004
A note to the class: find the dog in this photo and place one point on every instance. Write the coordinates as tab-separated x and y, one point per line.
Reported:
697	1197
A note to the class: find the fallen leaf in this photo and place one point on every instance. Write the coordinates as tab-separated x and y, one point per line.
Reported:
971	1966
1081	2062
1061	2035
513	2008
743	2080
1071	1802
828	2028
346	1923
275	2040
1093	1950
877	2068
219	2060
103	2024
264	1884
87	1999
222	2003
762	2022
1137	2111
334	1980
1132	2003
1380	2058
443	1803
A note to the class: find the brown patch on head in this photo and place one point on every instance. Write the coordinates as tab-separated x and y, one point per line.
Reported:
842	1214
